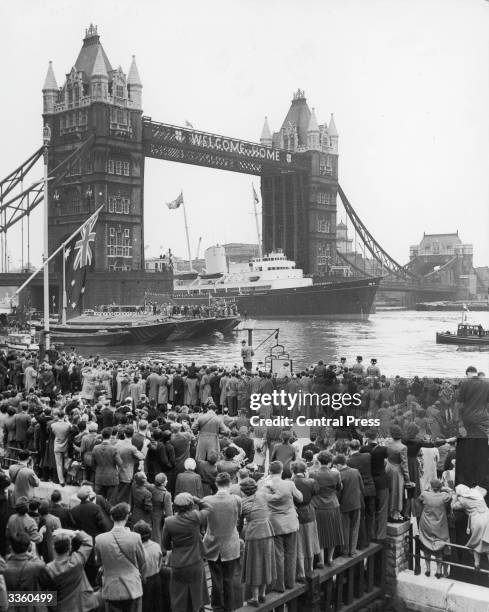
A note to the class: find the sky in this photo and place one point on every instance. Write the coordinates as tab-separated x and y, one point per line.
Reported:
407	81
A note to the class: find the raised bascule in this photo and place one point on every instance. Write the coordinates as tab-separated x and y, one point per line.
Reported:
99	141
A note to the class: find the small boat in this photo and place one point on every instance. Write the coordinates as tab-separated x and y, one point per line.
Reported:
103	337
20	341
467	335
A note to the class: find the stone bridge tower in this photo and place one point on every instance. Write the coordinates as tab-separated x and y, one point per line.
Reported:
97	99
299	209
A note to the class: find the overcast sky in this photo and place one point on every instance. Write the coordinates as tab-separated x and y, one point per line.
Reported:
407	81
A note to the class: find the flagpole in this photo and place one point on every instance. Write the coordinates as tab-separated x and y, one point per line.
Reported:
65	305
186	233
260	254
45	258
61	246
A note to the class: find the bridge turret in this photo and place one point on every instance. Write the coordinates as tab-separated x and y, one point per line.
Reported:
266	135
333	135
49	91
313	133
134	85
99	79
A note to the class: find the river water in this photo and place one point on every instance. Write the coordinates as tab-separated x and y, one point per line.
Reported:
402	341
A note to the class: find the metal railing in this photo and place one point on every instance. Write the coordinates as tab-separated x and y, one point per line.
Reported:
452	561
350	584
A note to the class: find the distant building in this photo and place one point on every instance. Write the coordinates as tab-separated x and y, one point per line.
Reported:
446	258
439	244
343	243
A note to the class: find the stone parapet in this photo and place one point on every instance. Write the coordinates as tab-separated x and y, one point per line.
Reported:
397	550
423	594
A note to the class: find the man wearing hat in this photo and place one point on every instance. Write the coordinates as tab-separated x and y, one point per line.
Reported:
373	369
357	368
221	544
247	355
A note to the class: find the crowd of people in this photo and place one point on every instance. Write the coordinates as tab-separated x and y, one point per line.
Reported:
171	480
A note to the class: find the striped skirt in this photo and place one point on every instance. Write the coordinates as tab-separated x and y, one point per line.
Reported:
330	531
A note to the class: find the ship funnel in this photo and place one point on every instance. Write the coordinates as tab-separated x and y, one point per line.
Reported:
215	260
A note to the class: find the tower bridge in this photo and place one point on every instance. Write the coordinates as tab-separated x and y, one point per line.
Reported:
100	139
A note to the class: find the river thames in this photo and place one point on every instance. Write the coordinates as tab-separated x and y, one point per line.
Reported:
402	341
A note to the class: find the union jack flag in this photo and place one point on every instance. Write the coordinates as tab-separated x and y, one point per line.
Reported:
83	255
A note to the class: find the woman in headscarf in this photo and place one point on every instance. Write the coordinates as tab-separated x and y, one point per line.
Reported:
258	566
433	526
472	502
182	536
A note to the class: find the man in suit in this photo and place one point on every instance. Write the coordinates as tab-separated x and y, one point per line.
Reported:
121	554
378	455
285	523
362	463
208	426
23	477
130	457
106	461
66	574
350	498
88	517
221	544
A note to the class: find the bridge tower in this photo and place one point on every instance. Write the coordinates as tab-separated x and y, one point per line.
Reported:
97	99
299	208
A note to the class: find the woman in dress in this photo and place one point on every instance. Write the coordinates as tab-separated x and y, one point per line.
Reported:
307	540
433	526
258	567
472	502
327	507
181	536
284	452
162	508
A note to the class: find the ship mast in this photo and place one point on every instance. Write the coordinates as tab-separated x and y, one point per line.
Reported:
255	208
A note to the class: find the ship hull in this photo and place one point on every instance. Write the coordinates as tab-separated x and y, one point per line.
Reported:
342	300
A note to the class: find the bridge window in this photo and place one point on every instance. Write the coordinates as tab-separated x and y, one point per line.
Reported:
119	91
126	168
323	225
119	242
75	203
119	205
110	166
324	197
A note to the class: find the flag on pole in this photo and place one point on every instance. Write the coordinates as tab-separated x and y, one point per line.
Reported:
78	259
176	203
255	195
188	124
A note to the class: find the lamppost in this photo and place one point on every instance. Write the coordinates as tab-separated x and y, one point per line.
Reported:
46	135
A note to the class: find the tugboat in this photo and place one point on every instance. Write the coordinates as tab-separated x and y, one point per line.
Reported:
272	286
467	334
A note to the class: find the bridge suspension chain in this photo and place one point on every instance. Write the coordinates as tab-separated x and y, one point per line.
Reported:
27	200
386	261
11	181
